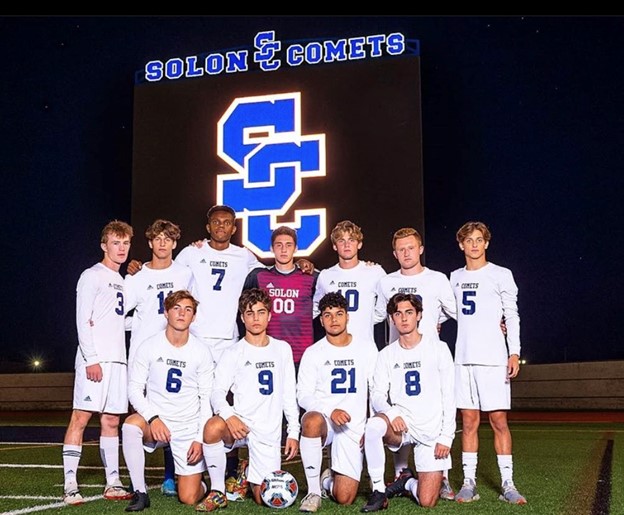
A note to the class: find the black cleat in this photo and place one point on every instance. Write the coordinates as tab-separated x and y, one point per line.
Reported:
397	487
140	501
377	501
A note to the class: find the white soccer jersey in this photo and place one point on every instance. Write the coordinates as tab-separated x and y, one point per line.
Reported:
359	287
434	290
146	291
419	385
100	316
172	382
484	297
262	380
218	278
332	377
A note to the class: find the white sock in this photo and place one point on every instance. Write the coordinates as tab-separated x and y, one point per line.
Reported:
469	463
71	459
401	458
505	465
375	454
411	485
132	445
311	450
214	457
109	452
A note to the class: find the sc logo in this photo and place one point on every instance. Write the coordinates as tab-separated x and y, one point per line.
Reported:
260	138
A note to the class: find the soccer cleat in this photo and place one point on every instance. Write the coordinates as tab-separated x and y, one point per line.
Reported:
116	492
377	501
168	488
511	495
397	487
73	497
310	503
446	490
140	501
325	494
215	500
236	487
468	492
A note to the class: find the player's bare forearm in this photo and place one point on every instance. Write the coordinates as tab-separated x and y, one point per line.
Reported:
398	425
134	266
160	431
237	428
340	417
305	265
94	373
441	451
195	453
291	448
513	366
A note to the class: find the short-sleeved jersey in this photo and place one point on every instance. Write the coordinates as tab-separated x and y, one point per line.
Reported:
218	278
419	385
172	382
332	377
434	290
262	380
145	292
291	311
100	316
359	286
484	297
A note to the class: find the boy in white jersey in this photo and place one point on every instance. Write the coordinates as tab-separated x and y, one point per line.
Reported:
100	384
335	376
484	362
146	290
260	372
170	384
354	279
145	293
413	398
435	292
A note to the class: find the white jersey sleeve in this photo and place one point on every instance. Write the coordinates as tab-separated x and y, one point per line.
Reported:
100	316
484	298
174	383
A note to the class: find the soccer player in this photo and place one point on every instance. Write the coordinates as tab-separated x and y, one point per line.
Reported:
354	279
260	372
146	290
438	301
100	384
169	387
484	362
291	291
145	293
414	403
334	380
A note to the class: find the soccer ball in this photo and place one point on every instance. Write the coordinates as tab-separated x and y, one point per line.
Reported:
279	489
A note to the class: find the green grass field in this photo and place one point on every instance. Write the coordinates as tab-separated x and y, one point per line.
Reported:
557	466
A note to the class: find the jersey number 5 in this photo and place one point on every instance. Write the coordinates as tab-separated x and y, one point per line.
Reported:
470	306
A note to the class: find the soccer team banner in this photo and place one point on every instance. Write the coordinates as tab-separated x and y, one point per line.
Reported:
303	134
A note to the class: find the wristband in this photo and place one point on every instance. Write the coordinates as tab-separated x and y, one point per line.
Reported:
152	419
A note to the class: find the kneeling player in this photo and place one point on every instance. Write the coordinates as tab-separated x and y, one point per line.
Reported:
413	397
170	384
335	376
260	372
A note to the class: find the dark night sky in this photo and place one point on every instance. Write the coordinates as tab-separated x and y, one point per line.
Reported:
522	121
